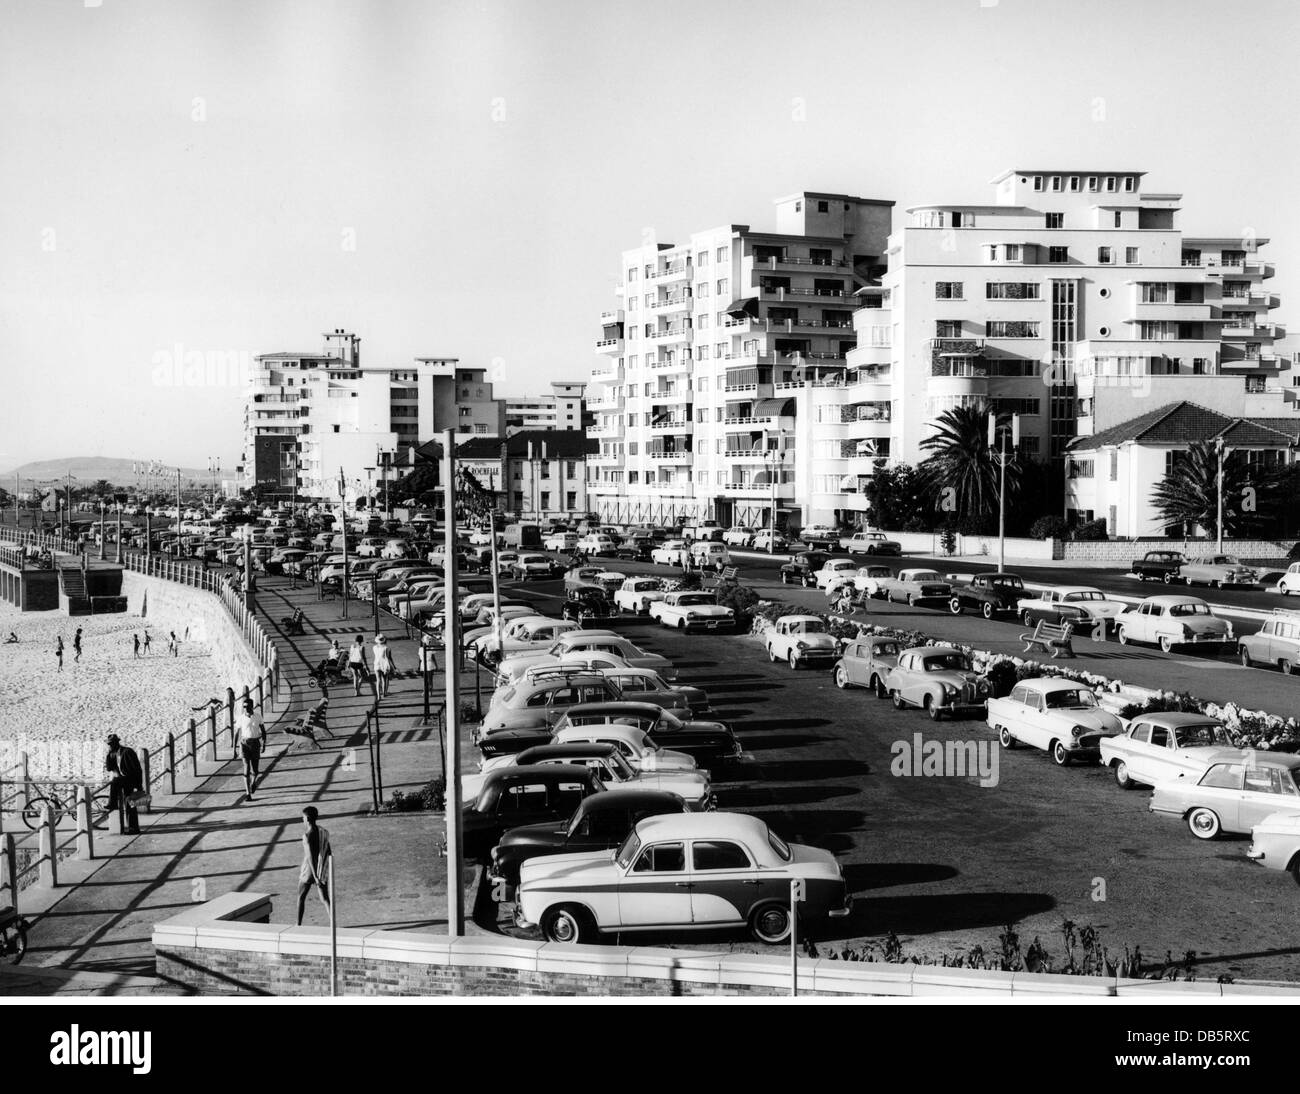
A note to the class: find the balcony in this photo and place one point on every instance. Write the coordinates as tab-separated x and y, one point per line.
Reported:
741	389
669	456
678	333
773	263
609	318
746	455
1171	311
609	402
676	363
777	292
782	488
677	425
1236	328
676	272
670	395
1261	269
606	459
609	345
675	302
606	372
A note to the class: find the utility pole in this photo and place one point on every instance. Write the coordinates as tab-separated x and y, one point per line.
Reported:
1218	479
343	512
451	634
1001	456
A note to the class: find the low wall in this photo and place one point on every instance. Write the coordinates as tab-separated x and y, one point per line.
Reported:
929	543
1253	551
210	949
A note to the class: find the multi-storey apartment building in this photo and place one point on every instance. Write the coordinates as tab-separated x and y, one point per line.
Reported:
702	404
563	408
536	473
311	417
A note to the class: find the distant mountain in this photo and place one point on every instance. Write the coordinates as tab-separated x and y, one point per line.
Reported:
87	470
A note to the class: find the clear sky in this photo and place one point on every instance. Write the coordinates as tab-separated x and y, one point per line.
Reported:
448	178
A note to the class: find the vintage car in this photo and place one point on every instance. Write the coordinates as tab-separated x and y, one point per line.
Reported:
738	536
597	543
610	766
870	543
692	610
1080	605
633	742
912	586
600	823
1235	792
819	537
1163	746
1275	843
636	594
866	663
542	702
482	537
646	685
1158	566
706	530
939	680
1277	642
1173	620
552	668
801	640
584	604
560	541
1216	570
523	795
802	568
485	623
583	577
1289	582
835	572
689	871
585	641
669	553
869	580
989	594
1062	717
712	744
535	632
710	555
532	565
767	540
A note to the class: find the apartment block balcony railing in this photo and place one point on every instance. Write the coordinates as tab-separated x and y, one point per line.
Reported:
772	262
671	395
679	300
667	454
677	269
671	363
779	292
682	424
608	373
670	332
960	344
741	387
604	345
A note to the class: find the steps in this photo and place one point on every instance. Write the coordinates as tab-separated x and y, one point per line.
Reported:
72	591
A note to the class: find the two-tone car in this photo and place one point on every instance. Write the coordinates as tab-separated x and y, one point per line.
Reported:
689	871
938	679
1162	747
870	543
1217	570
1171	621
1236	791
801	640
991	595
523	795
867	663
692	610
1062	717
1082	606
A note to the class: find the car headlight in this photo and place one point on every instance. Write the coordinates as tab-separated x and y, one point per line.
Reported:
950	690
690	615
801	645
1078	731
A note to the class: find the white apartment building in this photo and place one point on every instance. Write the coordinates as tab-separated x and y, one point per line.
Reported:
563	408
707	399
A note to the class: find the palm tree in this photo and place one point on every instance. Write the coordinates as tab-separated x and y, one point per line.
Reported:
1188	495
961	471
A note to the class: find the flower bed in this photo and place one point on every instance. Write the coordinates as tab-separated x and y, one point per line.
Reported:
1248	728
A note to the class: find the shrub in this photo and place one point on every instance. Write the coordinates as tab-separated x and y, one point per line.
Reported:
1092	531
741	599
1294	553
431	797
1049	528
689	581
1002	677
948	541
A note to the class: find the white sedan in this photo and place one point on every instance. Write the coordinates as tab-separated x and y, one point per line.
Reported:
1171	621
692	610
837	571
669	553
481	537
597	543
561	541
636	594
1059	716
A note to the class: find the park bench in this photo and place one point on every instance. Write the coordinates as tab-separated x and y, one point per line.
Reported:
1053	638
294	624
306	726
726	576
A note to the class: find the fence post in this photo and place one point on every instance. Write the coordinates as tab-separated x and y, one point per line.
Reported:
230	716
194	749
171	765
261	694
212	732
25	775
10	863
85	830
49	868
148	778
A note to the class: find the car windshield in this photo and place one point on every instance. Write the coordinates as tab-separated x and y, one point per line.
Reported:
1071	697
1189	609
955	661
886	649
618	763
697	598
1201	735
811	626
664	723
626	854
1009	582
926	575
1087	594
779	845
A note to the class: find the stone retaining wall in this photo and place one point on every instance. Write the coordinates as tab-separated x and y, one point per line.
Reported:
1250	551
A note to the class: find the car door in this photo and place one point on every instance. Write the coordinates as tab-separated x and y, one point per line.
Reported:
656	890
1015	707
855	664
1264	790
1138	753
726	884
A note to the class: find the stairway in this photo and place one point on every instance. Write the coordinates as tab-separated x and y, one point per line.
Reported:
72	591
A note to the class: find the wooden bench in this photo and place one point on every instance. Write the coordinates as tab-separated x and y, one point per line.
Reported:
1053	638
294	624
726	576
306	726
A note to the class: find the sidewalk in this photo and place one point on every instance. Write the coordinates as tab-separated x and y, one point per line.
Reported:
210	839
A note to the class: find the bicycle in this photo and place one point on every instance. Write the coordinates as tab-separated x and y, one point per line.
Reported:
33	813
13	935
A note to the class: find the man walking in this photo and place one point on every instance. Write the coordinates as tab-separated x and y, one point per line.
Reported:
147	640
316	853
135	653
172	645
250	743
76	646
58	651
357	663
128	778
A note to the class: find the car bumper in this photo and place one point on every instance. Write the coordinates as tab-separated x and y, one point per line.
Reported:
842	910
811	657
710	624
966	707
1255	853
1206	640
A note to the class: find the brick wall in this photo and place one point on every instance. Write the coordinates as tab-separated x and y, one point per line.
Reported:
1251	551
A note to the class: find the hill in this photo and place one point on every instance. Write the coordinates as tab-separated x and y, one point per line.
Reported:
86	470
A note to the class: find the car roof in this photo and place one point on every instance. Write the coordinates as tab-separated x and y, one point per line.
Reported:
627	706
620	730
1053	683
1072	589
703	826
579	677
632	799
576	749
933	650
1173	598
800	619
1259	759
520	772
1171	719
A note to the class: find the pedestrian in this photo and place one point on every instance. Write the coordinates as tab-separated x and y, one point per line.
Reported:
135	652
357	663
250	743
58	651
11	639
76	645
128	779
429	654
316	853
147	640
384	666
173	646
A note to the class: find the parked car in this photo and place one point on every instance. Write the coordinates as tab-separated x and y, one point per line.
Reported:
869	580
1275	843
600	823
582	577
938	679
866	663
835	572
1081	605
738	535
1236	791
916	585
1163	746
581	642
989	594
560	541
584	604
711	743
870	543
523	795
1060	716
636	594
767	540
1289	582
1173	620
676	872
1277	642
1158	566
669	553
539	703
801	640
370	547
1216	570
692	610
648	686
802	568
597	543
544	566
636	745
706	530
709	555
819	537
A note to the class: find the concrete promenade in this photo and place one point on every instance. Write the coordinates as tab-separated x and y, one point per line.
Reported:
91	935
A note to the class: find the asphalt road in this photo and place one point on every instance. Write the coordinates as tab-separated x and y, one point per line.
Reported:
945	862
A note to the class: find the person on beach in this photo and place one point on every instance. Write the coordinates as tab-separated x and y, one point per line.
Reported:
135	652
76	646
383	665
173	646
250	743
316	853
357	663
58	651
147	640
128	778
11	639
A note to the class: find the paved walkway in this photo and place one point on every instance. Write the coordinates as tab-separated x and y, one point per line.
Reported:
211	839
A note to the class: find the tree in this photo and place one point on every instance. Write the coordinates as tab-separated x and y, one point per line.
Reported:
961	472
1188	495
102	488
899	500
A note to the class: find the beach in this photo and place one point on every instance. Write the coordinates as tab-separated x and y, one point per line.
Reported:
62	718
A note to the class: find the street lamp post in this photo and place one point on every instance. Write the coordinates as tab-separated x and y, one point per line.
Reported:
1218	481
1002	456
775	458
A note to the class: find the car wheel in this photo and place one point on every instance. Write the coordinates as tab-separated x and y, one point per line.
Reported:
1026	619
841	678
1204	823
681	624
1060	754
878	686
1168	579
954	606
1214	584
1244	654
1121	776
792	660
1287	667
1295	869
909	600
1166	644
897	696
1121	636
770	923
1005	739
809	582
566	923
933	709
771	654
785	578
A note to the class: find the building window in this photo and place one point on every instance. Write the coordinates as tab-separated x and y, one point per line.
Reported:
722	251
631	448
1038	182
1003	328
1029	445
1074	183
702	258
1055	220
948	290
1105	255
1058	254
631	273
1012	252
947	328
571	500
1011	290
702	289
1131	255
1198	368
1110	184
702	321
1114	467
1130	183
702	353
823	206
1081	469
544	469
1092	184
1056	182
722	286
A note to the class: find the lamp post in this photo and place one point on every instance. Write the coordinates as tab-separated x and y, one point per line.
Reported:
1219	452
775	459
1002	456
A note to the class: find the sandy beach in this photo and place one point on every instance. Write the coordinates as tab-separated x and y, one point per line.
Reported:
62	718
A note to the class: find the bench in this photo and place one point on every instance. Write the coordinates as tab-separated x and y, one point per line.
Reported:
306	726
1053	638
294	624
726	576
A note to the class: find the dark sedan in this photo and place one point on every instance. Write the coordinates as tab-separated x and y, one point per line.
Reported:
587	602
712	744
516	795
802	569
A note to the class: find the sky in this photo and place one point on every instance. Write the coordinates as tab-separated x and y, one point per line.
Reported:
207	180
